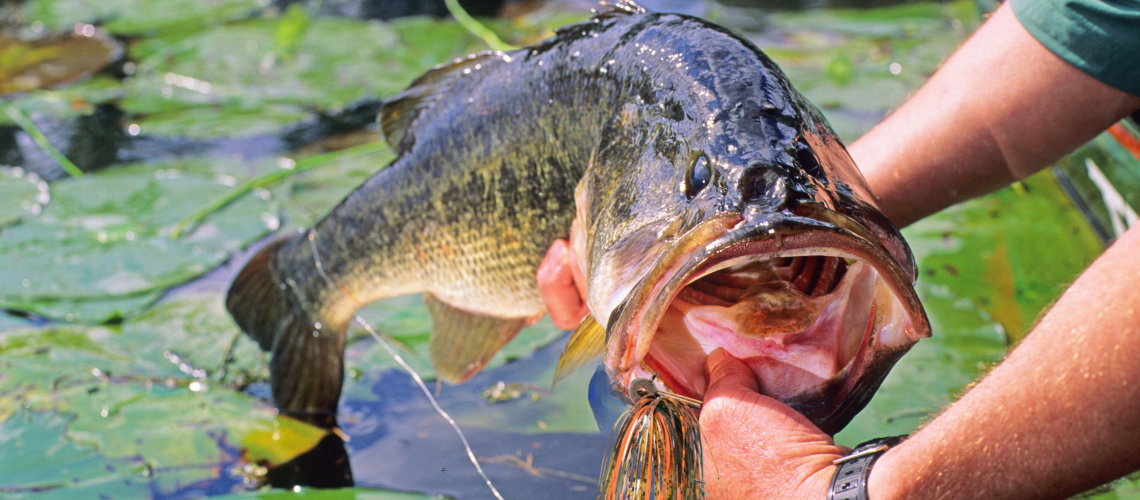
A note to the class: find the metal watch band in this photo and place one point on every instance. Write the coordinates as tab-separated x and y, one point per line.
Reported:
850	479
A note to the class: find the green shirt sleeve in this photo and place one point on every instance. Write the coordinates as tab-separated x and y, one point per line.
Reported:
1101	37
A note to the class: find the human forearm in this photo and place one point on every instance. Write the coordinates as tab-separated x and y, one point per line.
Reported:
1059	416
1001	108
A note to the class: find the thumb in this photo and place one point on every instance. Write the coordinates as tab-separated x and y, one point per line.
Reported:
734	394
727	374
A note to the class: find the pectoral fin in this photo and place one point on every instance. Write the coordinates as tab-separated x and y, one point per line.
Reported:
586	343
463	342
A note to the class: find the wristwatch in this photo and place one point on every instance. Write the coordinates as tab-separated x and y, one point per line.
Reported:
850	479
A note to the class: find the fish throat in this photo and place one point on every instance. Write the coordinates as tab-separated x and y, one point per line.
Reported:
813	309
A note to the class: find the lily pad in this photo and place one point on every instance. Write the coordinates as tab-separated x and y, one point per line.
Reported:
41	462
138	17
156	394
239	79
102	243
24	195
35	64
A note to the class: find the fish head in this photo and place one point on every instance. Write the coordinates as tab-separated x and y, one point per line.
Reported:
738	220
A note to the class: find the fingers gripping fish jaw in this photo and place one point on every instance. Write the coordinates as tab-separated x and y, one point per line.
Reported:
562	285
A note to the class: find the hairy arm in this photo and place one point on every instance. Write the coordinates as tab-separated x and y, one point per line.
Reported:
1059	415
1000	109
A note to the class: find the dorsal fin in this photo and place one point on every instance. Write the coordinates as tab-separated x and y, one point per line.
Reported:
620	7
398	114
609	10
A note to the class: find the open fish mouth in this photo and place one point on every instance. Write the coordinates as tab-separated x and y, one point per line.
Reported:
809	300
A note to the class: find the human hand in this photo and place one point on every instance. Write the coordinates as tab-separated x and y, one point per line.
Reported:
756	447
562	286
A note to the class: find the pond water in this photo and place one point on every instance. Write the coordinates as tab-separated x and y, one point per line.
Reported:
122	376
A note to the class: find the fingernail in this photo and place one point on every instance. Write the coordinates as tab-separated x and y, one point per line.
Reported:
716	357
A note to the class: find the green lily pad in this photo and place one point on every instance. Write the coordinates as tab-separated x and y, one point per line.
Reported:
157	394
46	107
102	243
24	195
240	80
41	462
138	17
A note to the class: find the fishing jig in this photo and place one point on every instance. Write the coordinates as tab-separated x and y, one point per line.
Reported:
657	450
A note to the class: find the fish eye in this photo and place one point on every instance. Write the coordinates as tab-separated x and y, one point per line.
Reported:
699	175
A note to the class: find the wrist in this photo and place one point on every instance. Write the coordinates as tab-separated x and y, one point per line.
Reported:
883	483
852	475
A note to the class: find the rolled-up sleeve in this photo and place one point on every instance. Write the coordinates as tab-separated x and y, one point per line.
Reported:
1101	37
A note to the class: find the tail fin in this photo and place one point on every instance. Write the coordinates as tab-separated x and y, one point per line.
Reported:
307	369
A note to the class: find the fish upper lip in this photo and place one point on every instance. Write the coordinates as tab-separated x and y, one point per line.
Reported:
730	238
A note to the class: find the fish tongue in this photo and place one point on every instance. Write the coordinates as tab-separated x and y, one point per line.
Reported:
773	310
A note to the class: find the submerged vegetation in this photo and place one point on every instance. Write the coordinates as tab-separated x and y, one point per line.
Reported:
206	126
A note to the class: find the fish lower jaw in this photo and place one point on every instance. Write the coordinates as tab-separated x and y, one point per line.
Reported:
857	317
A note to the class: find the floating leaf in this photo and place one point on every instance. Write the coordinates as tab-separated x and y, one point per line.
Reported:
36	64
101	244
41	462
231	81
138	17
287	439
24	195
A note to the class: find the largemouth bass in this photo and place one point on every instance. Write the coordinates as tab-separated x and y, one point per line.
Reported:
707	201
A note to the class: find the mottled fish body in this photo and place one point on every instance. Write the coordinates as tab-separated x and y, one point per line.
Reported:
653	135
